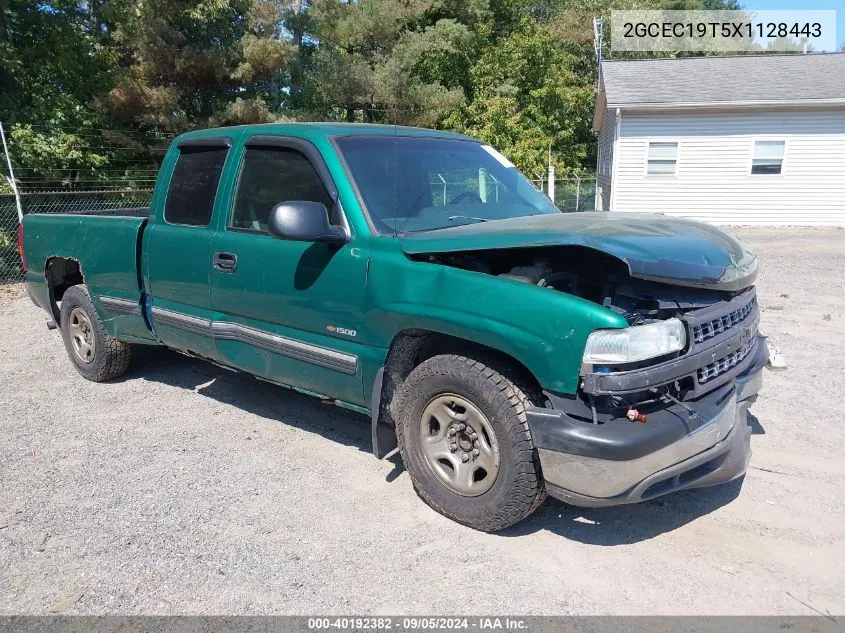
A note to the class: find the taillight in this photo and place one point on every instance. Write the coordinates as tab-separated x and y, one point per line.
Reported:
20	245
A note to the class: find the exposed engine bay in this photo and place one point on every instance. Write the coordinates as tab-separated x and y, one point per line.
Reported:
605	280
588	274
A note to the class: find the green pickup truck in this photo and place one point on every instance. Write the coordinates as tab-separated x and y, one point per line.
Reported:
506	349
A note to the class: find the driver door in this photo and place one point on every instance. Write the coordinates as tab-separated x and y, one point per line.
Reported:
284	310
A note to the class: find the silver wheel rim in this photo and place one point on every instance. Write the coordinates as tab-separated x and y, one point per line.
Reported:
459	445
81	335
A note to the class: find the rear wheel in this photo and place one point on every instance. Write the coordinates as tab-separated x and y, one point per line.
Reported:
96	355
464	438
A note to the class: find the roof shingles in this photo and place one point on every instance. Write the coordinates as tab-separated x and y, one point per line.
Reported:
725	80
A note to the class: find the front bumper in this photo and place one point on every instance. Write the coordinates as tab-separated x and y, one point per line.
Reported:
703	444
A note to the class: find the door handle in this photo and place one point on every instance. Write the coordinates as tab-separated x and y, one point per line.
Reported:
225	262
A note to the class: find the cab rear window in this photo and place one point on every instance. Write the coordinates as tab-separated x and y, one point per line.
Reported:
190	197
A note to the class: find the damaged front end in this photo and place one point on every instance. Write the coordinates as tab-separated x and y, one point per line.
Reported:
660	405
632	433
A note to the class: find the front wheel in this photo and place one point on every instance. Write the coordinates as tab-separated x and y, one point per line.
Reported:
96	355
464	438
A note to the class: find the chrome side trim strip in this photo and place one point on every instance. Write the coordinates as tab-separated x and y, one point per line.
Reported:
121	306
181	321
314	354
328	358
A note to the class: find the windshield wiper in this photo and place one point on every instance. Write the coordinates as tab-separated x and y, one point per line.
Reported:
452	218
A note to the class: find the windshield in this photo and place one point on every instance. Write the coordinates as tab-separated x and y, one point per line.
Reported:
411	184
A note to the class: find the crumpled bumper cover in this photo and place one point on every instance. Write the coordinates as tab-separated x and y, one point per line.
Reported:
610	464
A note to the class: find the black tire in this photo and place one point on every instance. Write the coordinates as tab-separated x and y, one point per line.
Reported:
518	488
110	357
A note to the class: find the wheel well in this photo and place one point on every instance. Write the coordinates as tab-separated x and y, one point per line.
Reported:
61	273
412	347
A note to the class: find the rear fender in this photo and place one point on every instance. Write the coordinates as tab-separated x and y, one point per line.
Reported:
100	251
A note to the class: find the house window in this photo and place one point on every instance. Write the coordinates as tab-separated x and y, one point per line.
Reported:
662	159
768	157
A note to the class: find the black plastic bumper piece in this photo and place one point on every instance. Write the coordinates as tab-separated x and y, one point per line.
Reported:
621	440
724	462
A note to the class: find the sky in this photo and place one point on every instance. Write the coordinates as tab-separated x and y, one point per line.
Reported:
832	5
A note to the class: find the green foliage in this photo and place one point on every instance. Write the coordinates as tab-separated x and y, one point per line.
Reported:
10	261
384	60
518	74
187	63
530	96
51	63
56	151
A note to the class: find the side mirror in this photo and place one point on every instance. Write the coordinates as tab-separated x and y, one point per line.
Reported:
304	221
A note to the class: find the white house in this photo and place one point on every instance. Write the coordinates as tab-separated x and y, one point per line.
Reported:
729	140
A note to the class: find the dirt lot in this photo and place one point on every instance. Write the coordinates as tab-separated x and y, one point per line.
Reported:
183	488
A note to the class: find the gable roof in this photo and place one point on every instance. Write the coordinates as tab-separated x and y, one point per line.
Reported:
747	80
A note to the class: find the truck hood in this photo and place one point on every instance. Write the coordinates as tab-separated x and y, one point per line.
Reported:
654	247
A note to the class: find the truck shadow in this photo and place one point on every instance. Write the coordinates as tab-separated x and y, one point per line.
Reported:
252	395
754	423
594	526
624	525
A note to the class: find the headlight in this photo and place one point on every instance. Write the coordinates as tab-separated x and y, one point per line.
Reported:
635	343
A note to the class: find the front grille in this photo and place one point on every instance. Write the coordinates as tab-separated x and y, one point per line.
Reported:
720	366
717	325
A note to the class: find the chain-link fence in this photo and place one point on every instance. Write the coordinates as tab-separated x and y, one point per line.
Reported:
11	270
10	261
60	170
572	194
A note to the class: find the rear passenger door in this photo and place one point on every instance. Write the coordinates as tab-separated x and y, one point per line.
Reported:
177	247
285	310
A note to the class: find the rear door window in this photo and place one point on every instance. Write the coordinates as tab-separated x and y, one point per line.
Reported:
193	186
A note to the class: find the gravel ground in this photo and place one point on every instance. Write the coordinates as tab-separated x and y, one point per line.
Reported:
182	488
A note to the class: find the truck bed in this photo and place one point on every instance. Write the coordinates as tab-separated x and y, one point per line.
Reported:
106	246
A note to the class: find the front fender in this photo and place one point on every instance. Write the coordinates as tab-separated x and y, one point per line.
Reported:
542	328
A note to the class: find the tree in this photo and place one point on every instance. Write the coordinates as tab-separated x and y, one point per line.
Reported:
185	63
533	84
51	63
52	68
520	74
530	97
382	60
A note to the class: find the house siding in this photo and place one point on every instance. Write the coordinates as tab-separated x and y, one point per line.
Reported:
604	162
713	181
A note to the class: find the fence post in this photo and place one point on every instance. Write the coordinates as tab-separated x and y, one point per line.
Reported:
11	178
577	192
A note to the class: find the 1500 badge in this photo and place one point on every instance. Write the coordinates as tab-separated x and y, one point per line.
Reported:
341	330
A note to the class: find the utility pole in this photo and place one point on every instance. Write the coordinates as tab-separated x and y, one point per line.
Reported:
598	37
11	177
551	176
